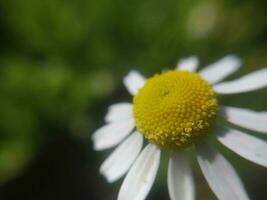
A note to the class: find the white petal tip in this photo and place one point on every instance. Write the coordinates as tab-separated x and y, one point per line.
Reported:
133	81
250	82
217	71
112	134
121	159
108	178
190	63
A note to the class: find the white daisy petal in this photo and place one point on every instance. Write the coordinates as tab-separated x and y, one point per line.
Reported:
118	163
250	82
180	179
112	134
220	175
141	176
256	121
189	64
245	145
119	111
221	69
133	81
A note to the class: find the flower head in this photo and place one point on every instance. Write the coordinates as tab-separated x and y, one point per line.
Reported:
175	110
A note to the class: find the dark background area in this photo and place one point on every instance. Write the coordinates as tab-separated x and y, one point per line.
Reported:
61	65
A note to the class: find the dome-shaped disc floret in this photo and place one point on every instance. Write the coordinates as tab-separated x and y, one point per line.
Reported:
175	108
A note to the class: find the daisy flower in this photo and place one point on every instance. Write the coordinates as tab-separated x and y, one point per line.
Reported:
175	110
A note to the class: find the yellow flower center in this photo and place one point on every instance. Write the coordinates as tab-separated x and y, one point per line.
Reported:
175	108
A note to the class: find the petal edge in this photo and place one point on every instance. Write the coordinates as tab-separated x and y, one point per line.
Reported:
220	175
180	179
141	176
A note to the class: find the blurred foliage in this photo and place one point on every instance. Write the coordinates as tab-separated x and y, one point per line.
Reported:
61	59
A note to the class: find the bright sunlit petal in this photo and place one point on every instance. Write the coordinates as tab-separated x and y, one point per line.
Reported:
253	81
119	111
249	119
118	163
112	134
190	64
141	176
180	180
133	81
219	174
245	145
219	70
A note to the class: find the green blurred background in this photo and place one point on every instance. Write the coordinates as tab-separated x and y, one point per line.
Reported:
61	65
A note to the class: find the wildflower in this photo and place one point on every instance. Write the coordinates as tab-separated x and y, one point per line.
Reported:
179	109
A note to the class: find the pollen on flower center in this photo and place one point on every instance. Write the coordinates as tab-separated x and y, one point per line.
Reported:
175	108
